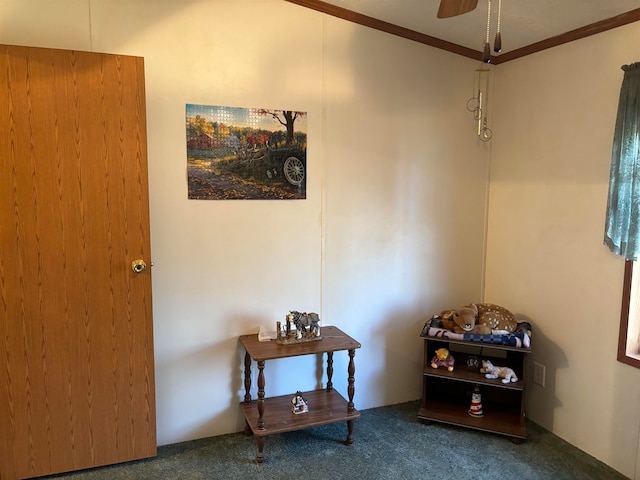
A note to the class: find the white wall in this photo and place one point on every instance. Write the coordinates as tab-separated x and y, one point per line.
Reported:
392	229
553	130
405	186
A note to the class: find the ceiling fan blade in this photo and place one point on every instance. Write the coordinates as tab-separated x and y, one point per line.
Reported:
452	8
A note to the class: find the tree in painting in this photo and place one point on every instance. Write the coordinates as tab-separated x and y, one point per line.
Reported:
288	120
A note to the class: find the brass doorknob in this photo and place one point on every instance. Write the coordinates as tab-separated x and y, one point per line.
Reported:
138	266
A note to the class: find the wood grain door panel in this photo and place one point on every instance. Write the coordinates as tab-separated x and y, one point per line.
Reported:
76	340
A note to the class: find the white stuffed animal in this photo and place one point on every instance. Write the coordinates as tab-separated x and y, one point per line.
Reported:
491	371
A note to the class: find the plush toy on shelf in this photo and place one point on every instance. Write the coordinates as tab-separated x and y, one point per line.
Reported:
443	358
480	319
491	371
463	320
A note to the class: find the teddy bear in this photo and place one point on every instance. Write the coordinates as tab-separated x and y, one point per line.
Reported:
443	358
479	318
491	371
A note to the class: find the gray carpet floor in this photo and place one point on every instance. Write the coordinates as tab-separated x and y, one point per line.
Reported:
389	443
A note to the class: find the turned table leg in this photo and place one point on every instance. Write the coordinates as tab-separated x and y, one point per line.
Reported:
351	390
247	388
329	371
247	378
260	456
349	440
261	395
260	438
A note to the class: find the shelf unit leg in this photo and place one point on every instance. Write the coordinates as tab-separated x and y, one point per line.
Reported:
260	395
351	389
247	378
329	371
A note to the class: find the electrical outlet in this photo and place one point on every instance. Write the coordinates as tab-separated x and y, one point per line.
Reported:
539	372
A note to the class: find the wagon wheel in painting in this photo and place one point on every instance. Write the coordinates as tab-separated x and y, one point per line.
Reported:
293	170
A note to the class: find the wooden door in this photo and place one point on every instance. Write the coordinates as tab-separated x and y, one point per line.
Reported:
76	340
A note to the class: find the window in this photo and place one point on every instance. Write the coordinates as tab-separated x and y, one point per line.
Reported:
629	339
622	226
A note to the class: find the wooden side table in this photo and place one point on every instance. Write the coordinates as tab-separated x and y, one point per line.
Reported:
266	416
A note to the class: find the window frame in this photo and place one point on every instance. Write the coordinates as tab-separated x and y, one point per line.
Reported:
624	317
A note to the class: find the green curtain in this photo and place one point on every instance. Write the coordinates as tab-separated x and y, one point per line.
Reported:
622	229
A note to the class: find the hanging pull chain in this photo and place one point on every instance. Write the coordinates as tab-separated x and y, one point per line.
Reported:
486	54
497	44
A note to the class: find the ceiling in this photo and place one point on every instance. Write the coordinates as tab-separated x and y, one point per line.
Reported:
523	22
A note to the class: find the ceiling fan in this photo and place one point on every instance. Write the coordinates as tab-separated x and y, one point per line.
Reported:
453	8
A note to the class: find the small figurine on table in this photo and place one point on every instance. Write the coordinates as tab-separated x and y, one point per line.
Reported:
299	404
443	358
307	328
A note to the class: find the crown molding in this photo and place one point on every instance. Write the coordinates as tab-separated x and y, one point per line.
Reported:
364	20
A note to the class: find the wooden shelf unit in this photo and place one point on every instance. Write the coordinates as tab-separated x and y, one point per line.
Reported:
266	416
446	396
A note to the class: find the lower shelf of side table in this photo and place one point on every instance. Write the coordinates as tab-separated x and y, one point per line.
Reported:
324	408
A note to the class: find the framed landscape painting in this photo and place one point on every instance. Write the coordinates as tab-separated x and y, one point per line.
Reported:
246	153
